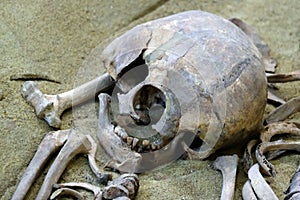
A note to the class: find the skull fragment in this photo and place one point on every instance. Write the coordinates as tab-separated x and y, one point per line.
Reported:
188	75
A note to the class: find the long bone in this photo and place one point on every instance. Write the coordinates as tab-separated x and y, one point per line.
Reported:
228	166
50	107
50	144
248	192
72	144
258	184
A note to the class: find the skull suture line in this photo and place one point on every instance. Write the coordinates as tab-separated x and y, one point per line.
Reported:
200	75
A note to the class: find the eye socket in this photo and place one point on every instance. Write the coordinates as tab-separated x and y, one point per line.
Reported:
149	103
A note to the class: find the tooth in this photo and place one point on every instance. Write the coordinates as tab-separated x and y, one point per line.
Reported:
153	146
145	143
129	140
134	142
124	136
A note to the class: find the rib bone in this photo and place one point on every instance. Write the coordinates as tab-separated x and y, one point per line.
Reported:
228	166
272	146
50	107
284	111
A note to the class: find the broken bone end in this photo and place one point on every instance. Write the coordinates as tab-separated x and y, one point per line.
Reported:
44	105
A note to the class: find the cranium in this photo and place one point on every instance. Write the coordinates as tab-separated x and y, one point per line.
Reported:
190	75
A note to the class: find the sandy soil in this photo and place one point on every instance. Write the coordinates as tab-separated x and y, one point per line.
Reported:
56	38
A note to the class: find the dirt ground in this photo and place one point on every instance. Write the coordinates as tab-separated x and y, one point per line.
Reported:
55	39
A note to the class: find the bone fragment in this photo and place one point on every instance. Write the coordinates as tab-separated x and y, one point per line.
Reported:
284	111
66	192
283	78
272	146
76	144
247	192
96	190
102	178
260	186
274	98
247	158
228	166
125	185
50	107
293	192
278	128
49	145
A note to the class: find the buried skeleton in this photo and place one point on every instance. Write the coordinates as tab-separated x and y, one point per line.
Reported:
193	75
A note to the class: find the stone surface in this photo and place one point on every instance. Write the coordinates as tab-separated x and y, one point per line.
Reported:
55	39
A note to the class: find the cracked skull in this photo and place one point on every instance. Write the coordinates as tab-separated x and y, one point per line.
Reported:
195	75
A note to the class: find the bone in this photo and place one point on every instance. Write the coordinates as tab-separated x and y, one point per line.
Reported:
259	185
274	98
247	158
66	192
96	190
49	145
247	192
76	144
293	192
130	182
102	178
278	128
50	107
114	191
125	185
228	166
283	78
272	146
284	111
125	160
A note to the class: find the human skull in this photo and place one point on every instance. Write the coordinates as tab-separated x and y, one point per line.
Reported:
189	74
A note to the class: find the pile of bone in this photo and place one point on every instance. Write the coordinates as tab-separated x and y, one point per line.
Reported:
125	187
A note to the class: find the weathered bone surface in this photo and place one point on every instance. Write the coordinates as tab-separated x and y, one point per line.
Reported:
50	107
273	146
72	144
247	157
50	144
260	187
293	192
215	78
284	111
125	186
247	192
60	189
228	166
